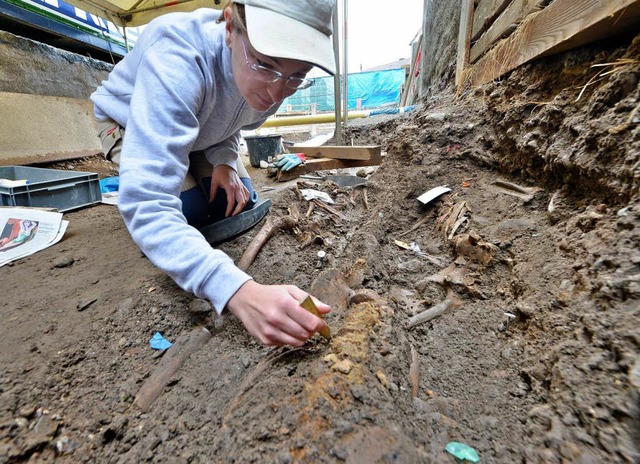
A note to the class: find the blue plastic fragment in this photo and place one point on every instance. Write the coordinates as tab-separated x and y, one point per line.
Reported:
158	342
109	184
462	451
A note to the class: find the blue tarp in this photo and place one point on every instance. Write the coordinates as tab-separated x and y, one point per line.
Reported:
374	89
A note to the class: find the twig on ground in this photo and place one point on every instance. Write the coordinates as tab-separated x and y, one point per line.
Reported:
414	372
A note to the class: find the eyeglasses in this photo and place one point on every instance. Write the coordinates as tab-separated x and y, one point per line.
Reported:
264	74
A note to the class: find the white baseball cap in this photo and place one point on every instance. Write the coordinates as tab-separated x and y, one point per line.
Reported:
294	29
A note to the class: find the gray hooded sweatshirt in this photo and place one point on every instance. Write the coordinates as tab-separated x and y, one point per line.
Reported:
175	93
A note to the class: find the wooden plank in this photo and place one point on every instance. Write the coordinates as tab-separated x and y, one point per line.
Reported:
322	164
484	15
464	40
562	25
372	152
506	22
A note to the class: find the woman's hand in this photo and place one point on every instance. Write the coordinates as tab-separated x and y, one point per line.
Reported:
272	313
227	178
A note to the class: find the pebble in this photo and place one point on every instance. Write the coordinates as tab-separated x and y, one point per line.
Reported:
46	426
383	379
64	262
27	411
198	305
340	453
343	366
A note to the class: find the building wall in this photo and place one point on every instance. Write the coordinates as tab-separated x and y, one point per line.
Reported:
31	67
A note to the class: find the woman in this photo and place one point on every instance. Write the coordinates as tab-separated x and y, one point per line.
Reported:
170	114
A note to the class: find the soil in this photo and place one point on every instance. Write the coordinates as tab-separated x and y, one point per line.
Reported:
535	359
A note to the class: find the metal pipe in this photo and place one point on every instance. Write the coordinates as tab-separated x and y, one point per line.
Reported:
309	119
345	71
336	76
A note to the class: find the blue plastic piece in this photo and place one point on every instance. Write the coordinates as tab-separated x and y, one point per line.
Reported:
462	451
158	342
109	184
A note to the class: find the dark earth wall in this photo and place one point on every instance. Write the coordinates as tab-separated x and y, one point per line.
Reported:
439	44
31	67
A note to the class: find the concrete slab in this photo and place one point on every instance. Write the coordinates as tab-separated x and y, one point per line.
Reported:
38	129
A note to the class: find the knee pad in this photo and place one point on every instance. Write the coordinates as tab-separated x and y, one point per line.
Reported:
219	206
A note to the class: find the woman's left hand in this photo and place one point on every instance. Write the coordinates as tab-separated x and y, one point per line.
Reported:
227	178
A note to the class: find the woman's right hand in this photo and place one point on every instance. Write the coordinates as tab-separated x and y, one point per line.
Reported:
272	313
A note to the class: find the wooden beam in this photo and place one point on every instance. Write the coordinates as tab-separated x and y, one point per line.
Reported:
506	22
464	40
341	152
562	25
322	164
486	12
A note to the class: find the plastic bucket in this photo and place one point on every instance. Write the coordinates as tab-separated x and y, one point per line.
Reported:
261	147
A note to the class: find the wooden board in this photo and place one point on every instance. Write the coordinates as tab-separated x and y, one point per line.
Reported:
486	12
340	152
322	164
506	22
464	40
562	25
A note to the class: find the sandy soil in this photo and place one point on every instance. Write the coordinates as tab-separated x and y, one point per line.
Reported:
535	359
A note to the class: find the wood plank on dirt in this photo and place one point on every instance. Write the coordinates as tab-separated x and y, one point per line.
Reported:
322	164
485	13
464	40
563	25
372	152
506	23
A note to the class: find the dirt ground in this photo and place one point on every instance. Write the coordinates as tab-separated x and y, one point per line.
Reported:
536	357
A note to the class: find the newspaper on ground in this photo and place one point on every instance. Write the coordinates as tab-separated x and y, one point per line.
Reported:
24	231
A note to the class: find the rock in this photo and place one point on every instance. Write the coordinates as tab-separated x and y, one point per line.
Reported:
46	426
65	261
199	306
343	366
331	358
27	411
383	379
340	453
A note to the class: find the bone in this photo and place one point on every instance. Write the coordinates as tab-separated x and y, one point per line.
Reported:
270	227
188	343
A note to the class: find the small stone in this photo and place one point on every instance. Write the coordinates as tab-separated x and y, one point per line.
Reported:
601	208
46	426
64	262
340	453
343	366
246	361
383	379
331	358
27	411
21	422
361	173
198	305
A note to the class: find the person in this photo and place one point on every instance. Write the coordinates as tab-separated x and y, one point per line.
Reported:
170	114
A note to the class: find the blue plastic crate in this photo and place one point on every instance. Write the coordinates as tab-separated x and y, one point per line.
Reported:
49	188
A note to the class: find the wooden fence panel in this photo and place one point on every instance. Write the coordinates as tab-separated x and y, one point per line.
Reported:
505	24
562	25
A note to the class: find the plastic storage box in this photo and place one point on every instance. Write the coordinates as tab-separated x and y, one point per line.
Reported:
48	188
